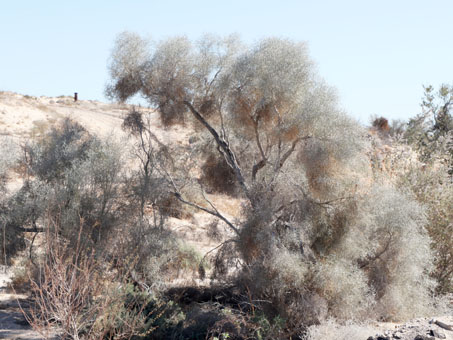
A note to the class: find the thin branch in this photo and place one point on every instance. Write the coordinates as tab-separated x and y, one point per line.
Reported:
229	155
217	247
377	256
30	230
289	152
258	166
213	212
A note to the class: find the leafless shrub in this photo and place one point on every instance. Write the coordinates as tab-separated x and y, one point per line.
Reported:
75	297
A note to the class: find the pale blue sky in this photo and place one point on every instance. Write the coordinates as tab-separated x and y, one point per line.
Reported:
378	54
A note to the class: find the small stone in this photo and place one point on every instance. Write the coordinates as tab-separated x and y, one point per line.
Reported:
423	337
398	335
382	337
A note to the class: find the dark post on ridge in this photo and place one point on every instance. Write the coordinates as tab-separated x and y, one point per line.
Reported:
75	96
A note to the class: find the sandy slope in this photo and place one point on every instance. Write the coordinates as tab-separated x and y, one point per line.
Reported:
23	117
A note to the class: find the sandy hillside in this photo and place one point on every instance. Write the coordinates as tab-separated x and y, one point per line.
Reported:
23	117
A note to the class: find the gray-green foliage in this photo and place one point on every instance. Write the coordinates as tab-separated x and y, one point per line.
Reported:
55	153
428	176
431	130
8	156
10	239
316	236
75	180
77	187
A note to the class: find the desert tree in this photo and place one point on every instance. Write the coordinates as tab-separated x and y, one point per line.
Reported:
431	129
267	98
301	168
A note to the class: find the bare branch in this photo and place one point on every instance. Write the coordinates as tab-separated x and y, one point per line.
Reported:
213	212
229	155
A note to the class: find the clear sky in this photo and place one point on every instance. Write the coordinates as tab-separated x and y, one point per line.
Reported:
378	54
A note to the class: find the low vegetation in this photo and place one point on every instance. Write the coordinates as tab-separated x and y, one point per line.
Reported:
335	226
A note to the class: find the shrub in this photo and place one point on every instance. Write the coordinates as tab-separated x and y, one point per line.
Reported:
66	143
11	240
381	124
422	163
431	184
76	298
218	176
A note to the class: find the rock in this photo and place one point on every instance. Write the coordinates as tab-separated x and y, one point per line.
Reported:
423	337
397	335
437	334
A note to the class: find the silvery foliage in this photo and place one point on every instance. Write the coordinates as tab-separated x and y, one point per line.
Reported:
9	240
317	234
219	73
9	153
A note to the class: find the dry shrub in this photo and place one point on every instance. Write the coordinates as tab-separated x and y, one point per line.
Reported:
234	324
170	206
218	176
357	259
214	232
23	270
381	124
185	261
432	186
76	298
345	289
64	145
